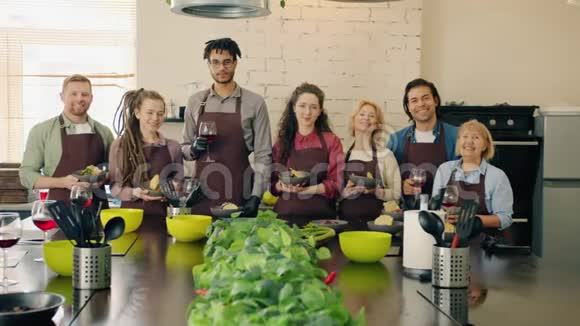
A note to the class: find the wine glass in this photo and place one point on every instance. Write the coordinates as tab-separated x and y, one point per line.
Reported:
450	197
208	130
43	194
81	196
42	218
10	232
419	177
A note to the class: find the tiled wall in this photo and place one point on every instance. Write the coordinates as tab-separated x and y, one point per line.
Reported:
351	50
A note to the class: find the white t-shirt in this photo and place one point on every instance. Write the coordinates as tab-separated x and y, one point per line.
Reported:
424	136
80	128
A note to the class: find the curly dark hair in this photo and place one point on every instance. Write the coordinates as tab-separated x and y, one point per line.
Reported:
222	44
288	125
417	83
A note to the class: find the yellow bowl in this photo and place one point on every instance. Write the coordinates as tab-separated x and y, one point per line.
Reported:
133	217
186	228
364	246
58	256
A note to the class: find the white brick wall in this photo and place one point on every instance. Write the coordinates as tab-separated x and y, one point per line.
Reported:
351	50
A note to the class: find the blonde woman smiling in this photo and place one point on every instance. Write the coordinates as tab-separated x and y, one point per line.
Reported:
367	156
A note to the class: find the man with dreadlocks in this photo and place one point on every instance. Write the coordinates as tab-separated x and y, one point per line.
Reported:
243	126
61	145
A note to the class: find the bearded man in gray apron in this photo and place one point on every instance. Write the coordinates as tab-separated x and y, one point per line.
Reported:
242	126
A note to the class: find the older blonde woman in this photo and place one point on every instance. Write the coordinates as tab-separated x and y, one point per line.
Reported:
368	155
476	178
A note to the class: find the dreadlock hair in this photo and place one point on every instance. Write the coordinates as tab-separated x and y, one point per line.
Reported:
220	45
133	158
288	125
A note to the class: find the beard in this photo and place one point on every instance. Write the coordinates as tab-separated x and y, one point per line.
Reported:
228	80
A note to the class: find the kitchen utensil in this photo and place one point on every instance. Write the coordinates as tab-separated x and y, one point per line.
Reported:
432	225
467	230
133	217
34	308
364	246
219	212
468	209
168	190
450	267
92	267
435	201
187	228
65	220
114	229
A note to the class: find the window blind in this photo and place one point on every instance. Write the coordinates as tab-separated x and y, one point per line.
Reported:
42	42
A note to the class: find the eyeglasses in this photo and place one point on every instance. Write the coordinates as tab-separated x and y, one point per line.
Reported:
215	64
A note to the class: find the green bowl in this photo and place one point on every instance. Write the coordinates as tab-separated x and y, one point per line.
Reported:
58	256
186	228
133	217
364	246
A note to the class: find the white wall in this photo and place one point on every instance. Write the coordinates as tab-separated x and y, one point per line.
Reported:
352	51
493	51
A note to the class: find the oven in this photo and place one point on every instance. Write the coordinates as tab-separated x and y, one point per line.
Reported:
517	153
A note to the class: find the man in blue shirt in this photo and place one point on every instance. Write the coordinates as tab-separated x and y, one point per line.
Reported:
427	142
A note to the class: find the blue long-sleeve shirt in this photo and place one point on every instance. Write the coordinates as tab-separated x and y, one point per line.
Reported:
397	140
499	198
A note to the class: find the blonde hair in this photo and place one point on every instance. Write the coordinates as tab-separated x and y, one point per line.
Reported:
474	125
360	105
75	78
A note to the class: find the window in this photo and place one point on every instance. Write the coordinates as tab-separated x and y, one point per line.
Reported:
42	42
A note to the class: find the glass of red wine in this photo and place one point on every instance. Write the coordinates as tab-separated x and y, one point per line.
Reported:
419	178
43	194
450	197
10	232
208	130
81	196
42	218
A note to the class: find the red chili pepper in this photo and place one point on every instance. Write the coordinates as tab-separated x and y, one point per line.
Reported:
330	278
201	292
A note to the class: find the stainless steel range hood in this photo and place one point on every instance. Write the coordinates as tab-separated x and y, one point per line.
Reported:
224	9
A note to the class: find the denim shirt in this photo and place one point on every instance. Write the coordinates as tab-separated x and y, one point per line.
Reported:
499	197
397	140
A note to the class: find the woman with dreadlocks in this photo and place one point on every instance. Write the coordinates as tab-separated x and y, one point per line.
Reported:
141	152
306	143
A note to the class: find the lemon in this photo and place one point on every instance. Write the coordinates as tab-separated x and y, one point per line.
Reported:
154	183
384	220
269	199
228	206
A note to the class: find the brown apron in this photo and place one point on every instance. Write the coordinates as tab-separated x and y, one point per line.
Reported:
300	209
425	155
477	192
226	179
79	151
158	158
366	207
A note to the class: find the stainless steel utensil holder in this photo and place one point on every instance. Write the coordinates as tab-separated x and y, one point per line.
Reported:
92	268
450	267
173	211
454	302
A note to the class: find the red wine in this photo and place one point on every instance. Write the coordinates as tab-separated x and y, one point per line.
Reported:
7	243
43	195
447	205
210	137
44	225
